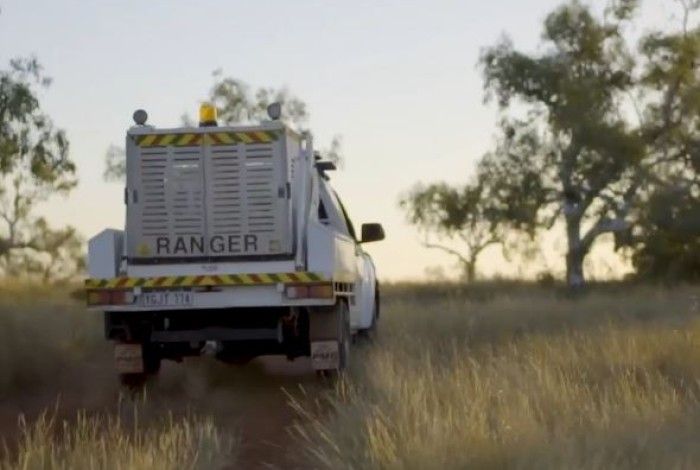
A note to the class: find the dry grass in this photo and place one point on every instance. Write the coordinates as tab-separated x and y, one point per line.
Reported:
45	337
484	377
527	381
52	351
106	442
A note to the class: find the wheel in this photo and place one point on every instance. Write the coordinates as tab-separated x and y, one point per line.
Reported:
133	382
371	332
151	360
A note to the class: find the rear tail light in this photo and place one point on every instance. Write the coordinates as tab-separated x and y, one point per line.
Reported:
122	297
313	291
98	297
107	297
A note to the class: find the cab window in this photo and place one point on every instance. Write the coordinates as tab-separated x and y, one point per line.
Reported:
346	217
332	212
322	212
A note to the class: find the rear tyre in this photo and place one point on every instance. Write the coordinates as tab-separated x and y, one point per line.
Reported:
133	382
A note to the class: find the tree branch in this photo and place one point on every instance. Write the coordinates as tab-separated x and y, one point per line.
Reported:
466	261
549	222
603	225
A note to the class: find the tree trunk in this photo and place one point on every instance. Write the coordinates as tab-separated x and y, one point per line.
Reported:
575	254
470	270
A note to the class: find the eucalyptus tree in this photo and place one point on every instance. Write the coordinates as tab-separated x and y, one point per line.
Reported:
34	165
446	214
666	236
592	125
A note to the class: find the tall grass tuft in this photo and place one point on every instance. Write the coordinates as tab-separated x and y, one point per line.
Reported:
53	350
531	380
106	442
45	336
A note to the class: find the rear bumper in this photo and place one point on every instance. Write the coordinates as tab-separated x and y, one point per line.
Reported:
212	292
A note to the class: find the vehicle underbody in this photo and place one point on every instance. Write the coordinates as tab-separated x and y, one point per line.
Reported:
239	334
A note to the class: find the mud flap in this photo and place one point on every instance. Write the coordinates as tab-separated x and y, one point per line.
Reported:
326	336
325	355
128	358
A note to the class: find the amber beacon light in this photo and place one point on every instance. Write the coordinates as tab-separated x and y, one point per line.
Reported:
207	115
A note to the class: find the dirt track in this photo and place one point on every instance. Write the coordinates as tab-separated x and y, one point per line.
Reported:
248	400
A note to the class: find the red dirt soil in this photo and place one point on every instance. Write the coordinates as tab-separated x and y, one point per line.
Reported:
250	401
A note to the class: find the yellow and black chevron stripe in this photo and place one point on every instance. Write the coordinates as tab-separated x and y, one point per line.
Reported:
211	138
205	281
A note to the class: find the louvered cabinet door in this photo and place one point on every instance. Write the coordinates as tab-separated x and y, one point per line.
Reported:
247	200
166	215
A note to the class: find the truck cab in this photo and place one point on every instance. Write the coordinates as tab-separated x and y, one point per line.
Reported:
234	242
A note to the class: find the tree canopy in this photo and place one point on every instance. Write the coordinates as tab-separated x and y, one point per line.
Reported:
34	165
237	103
449	212
592	128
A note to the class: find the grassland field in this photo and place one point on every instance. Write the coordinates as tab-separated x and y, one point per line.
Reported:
502	375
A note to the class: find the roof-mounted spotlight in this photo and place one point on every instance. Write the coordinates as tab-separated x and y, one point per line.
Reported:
274	110
140	117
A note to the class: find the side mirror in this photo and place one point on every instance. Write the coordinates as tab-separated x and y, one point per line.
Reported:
372	233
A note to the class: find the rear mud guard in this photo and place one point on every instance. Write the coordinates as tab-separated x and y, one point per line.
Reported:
329	336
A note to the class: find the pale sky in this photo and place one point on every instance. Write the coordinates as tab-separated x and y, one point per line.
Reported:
397	79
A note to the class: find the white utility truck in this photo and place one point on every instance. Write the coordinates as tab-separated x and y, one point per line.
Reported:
235	243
